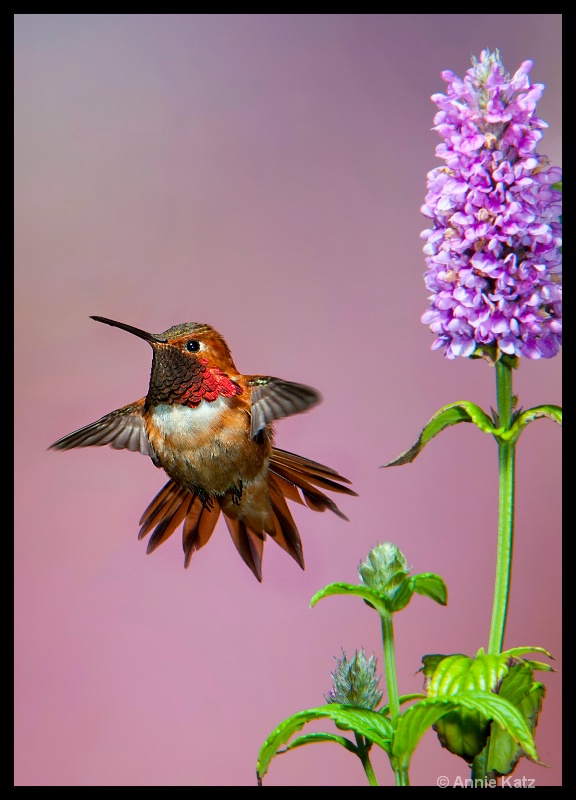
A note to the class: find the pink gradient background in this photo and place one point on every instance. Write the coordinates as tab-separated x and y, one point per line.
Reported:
264	174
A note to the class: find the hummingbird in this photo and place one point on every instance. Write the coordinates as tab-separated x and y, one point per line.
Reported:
209	428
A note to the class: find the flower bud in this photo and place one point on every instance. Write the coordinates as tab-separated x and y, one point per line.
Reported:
384	569
354	682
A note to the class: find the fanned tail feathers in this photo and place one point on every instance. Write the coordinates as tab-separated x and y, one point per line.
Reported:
250	545
172	506
291	477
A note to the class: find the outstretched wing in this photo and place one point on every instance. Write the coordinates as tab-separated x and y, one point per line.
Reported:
123	428
273	398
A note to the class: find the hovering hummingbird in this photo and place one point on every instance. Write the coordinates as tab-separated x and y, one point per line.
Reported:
210	429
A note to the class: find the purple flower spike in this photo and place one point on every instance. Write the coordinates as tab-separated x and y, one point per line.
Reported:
493	253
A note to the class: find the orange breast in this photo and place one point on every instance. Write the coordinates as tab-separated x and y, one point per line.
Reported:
208	446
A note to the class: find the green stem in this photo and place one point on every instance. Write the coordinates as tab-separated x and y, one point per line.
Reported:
504	393
480	766
506	455
400	774
363	752
366	763
390	667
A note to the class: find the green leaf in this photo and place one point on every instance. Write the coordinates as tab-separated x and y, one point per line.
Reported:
517	652
369	724
416	720
427	583
526	695
312	738
364	592
432	586
452	414
455	673
538	665
443	673
463	732
402	595
550	411
520	652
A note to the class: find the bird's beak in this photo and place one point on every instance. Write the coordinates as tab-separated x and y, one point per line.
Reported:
149	337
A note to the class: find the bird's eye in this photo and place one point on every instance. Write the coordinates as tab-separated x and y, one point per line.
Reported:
192	345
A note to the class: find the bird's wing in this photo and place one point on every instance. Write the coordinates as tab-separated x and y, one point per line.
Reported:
273	398
123	428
